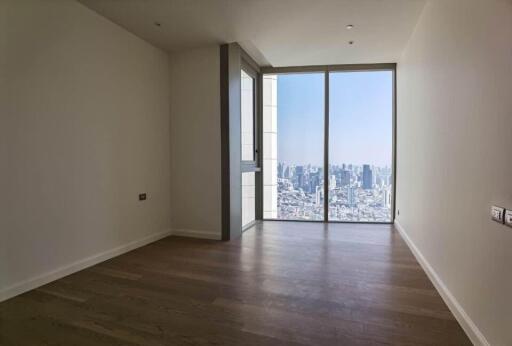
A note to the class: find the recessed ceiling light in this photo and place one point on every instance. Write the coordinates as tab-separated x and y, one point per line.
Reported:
350	26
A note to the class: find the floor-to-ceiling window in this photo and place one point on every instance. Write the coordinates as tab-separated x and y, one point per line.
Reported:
360	146
293	137
356	146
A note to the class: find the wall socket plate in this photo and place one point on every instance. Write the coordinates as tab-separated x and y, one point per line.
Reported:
508	218
498	214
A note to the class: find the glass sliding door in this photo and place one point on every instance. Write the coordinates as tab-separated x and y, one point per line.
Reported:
293	146
360	146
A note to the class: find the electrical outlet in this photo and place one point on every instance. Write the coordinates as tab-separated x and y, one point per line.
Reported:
142	197
498	213
508	218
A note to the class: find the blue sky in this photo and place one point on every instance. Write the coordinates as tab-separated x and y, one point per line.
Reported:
360	118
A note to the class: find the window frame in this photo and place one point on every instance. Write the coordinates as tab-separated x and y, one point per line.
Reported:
252	165
326	69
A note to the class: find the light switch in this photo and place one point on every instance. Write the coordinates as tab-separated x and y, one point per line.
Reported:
508	218
497	213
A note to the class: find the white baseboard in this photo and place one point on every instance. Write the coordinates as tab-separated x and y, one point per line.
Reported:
42	279
192	233
474	334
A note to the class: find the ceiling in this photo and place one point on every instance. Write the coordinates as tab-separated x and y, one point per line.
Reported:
274	32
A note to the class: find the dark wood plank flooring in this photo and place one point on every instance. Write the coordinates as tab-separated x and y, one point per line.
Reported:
283	283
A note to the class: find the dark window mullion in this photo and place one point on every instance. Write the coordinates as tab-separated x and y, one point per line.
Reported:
326	146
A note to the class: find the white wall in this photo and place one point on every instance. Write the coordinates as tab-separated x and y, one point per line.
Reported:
454	159
84	127
196	143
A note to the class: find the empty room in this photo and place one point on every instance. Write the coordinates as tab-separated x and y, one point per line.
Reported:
255	172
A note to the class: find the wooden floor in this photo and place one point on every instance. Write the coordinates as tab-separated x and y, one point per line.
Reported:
283	283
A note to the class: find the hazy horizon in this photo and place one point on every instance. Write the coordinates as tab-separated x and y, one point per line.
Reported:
360	118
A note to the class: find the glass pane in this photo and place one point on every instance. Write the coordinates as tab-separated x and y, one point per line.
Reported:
293	146
248	197
247	120
360	146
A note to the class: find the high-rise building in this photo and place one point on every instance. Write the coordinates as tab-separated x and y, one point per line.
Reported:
332	182
314	181
351	196
318	195
286	173
299	176
378	180
367	177
386	198
344	177
280	169
291	171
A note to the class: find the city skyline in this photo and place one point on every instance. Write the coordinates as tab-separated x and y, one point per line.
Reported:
356	192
